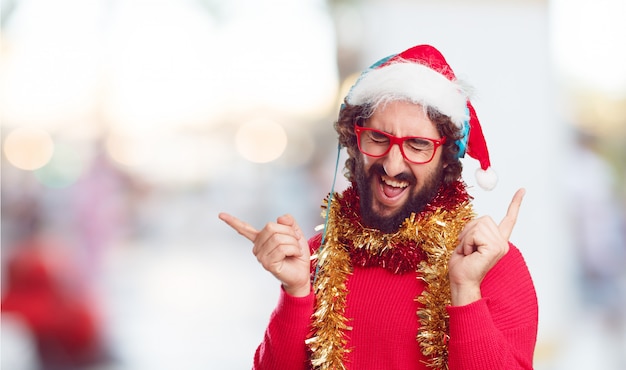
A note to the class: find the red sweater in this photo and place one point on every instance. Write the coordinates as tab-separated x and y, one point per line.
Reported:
497	332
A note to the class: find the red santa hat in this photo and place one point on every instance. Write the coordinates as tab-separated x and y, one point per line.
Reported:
422	76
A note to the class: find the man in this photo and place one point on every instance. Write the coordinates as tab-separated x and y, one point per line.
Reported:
403	276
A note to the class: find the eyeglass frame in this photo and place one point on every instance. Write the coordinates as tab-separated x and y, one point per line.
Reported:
396	140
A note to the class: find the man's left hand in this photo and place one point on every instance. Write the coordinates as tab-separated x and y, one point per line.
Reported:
482	243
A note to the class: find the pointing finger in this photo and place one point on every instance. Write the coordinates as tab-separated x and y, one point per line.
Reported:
509	220
241	227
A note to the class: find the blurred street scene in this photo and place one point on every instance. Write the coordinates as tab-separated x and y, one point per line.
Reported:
128	125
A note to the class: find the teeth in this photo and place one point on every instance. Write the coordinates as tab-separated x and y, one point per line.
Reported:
394	183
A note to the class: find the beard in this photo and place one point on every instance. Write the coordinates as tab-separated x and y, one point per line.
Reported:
416	202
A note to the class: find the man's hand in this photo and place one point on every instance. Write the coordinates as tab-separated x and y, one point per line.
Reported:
482	243
281	248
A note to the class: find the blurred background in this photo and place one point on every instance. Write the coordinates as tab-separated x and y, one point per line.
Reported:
128	125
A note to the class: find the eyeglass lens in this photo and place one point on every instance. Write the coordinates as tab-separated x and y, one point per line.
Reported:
377	144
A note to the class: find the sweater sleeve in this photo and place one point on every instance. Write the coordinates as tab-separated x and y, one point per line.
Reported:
283	345
498	331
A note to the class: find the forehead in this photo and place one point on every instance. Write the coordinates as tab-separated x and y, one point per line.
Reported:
402	118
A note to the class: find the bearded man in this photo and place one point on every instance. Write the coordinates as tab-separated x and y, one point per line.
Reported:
403	276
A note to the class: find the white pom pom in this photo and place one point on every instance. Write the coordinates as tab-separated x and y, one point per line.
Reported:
487	179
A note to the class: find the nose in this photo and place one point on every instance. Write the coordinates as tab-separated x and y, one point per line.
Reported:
394	163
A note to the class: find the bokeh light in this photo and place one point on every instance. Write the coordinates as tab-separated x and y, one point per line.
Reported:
261	140
129	150
64	168
28	148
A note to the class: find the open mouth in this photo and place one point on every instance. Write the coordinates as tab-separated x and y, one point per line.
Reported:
392	188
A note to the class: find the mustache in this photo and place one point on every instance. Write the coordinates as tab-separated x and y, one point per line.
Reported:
378	170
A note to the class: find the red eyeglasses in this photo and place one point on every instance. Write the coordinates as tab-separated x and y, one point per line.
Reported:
415	149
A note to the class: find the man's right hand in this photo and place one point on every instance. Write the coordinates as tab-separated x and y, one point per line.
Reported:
282	249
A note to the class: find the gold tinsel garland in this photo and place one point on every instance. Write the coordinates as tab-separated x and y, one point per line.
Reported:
435	231
437	236
328	346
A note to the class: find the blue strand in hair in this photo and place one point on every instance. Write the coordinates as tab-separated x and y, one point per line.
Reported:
462	142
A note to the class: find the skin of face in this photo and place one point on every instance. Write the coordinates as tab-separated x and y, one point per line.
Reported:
392	187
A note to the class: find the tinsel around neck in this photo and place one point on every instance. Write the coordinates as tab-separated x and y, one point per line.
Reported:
423	244
398	252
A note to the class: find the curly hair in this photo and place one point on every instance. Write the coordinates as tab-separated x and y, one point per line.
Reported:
351	114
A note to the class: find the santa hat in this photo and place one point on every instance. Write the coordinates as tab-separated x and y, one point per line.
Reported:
422	76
